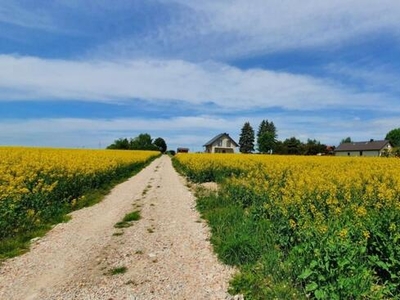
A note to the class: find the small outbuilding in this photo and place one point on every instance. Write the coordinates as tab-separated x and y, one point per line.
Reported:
182	150
222	143
370	148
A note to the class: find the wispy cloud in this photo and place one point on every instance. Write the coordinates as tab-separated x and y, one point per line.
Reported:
30	78
373	78
29	16
238	28
154	56
190	132
75	132
199	30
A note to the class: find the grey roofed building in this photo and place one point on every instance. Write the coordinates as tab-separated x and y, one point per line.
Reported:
369	148
222	143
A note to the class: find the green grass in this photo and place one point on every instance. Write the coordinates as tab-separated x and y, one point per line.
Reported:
11	247
242	239
122	225
118	270
133	216
128	219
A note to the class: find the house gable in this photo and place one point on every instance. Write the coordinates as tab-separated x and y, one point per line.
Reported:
222	143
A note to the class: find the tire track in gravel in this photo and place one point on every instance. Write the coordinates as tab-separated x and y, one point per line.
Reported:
166	253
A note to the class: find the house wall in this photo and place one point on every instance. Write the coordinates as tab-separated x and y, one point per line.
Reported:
223	150
367	153
222	145
357	153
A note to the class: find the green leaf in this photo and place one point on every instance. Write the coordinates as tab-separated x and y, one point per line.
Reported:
305	274
311	286
319	294
313	264
382	264
343	262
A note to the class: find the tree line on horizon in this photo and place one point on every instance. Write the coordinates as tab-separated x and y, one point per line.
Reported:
142	142
266	141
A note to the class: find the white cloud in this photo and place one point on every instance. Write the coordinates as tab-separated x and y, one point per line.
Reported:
206	29
66	132
240	28
29	78
190	132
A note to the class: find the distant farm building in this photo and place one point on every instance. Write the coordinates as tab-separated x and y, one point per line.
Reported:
370	148
222	143
182	150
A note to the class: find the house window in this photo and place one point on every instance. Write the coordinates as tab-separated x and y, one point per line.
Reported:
361	153
219	143
228	143
348	153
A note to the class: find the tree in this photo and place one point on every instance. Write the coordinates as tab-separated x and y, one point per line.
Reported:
313	147
394	137
266	136
122	144
246	140
280	148
346	140
160	143
293	146
143	142
266	142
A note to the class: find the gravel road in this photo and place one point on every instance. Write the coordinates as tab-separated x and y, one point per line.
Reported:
165	255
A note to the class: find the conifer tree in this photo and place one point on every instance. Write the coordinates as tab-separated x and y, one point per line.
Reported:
246	140
266	136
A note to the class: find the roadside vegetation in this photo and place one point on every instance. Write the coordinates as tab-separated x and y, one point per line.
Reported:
118	270
127	220
39	187
303	227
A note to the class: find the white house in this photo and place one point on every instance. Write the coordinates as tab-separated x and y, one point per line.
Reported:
371	148
222	143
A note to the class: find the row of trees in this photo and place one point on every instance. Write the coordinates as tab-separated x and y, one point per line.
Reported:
266	137
266	141
142	142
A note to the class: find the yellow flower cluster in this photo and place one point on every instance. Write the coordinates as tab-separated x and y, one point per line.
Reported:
309	191
37	170
34	181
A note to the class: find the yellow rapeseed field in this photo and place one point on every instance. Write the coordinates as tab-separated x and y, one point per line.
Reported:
336	219
337	183
35	183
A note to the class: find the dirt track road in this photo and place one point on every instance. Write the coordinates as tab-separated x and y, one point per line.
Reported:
166	253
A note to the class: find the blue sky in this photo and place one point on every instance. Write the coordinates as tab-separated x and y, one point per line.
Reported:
79	73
